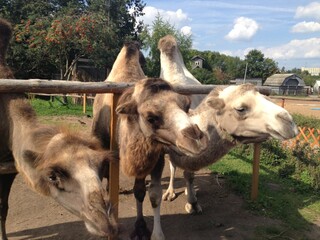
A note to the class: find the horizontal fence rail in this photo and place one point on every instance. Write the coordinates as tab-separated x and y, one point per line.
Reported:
62	86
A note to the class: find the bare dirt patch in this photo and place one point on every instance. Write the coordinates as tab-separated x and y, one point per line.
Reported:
309	107
32	216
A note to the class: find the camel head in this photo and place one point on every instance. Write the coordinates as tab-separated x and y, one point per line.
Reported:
70	170
168	46
249	116
128	64
162	116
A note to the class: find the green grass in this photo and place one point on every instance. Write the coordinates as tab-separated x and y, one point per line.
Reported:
287	199
56	107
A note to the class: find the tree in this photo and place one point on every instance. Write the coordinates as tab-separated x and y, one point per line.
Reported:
259	66
223	67
51	35
161	28
123	14
204	75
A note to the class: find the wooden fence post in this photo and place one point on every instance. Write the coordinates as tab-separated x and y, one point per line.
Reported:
84	103
255	171
114	166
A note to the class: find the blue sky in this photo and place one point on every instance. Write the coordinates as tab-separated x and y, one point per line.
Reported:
287	31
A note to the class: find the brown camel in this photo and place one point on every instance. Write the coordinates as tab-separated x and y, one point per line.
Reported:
54	162
152	119
236	114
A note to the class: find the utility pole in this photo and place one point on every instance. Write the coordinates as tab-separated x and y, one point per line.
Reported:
245	73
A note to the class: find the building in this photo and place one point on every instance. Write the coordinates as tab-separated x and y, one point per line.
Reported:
197	62
312	71
316	87
286	84
254	81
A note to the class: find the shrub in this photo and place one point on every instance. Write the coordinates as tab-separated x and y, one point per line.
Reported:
305	121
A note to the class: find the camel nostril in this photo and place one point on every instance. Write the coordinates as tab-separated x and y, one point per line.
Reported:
193	132
284	116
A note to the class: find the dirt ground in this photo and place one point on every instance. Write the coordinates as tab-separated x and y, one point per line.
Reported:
224	217
309	108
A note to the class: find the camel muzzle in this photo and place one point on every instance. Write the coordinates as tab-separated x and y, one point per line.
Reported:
194	141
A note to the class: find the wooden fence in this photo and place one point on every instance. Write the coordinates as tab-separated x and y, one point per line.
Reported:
310	136
65	87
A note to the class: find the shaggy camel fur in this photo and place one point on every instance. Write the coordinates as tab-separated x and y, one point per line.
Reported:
237	114
54	162
152	119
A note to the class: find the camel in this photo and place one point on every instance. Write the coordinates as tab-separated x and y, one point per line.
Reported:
173	68
53	161
126	68
152	119
236	114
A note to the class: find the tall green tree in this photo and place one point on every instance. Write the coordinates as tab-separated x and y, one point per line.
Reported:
151	37
258	66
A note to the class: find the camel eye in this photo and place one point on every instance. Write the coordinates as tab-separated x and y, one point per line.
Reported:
153	119
241	110
57	176
52	178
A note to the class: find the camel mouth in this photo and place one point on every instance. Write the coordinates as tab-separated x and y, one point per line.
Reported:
284	134
171	146
108	229
256	139
99	220
182	151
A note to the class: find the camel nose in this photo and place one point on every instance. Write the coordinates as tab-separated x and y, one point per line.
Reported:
197	136
99	217
290	128
193	132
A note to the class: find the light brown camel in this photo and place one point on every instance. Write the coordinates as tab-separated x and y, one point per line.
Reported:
54	162
152	119
236	114
126	68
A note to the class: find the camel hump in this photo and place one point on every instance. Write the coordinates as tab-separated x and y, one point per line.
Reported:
5	36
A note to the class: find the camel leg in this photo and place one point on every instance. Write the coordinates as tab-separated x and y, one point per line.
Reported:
5	186
170	194
155	192
141	231
192	205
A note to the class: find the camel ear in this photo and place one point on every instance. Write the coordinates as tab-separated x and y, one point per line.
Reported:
30	157
216	103
129	107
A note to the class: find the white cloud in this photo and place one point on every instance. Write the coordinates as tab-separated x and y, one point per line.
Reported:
295	49
186	30
176	18
304	27
306	48
243	29
312	10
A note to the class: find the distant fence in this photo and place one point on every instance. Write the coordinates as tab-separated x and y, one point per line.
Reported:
310	136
